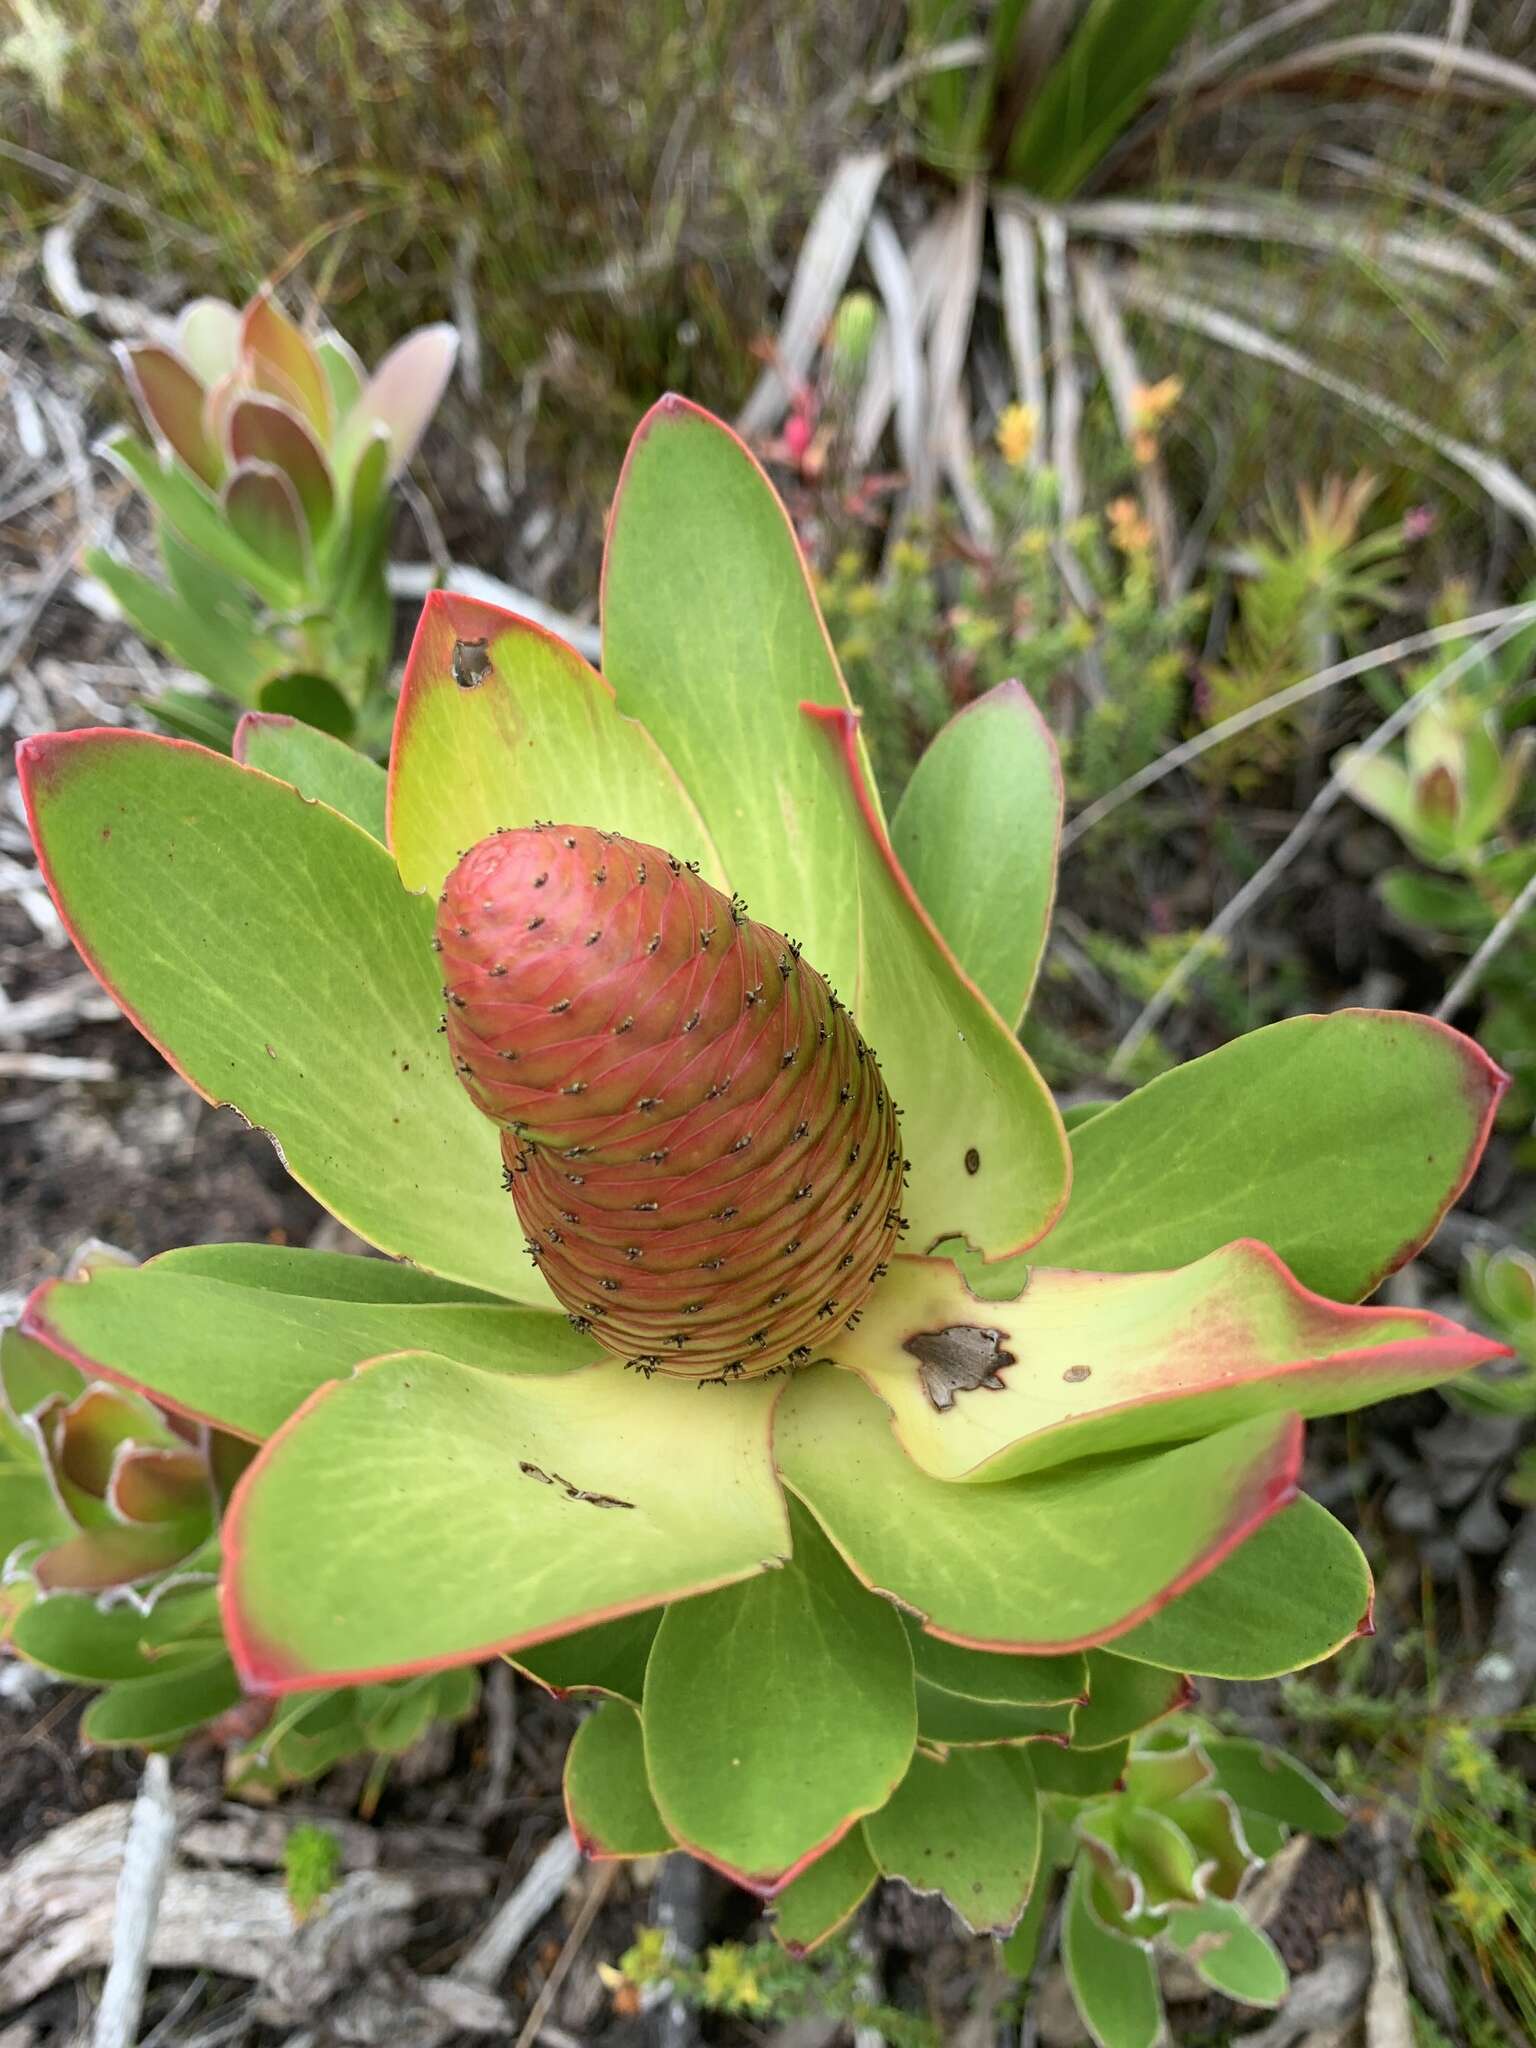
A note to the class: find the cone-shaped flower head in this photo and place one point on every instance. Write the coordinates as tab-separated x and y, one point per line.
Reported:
704	1157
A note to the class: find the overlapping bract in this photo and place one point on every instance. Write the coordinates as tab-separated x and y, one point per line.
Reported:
700	1145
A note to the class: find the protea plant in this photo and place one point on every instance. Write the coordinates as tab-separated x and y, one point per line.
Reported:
269	467
109	1513
1156	1840
924	1465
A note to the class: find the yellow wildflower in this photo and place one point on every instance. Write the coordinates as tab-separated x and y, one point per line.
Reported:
1128	530
1152	403
1016	429
730	1981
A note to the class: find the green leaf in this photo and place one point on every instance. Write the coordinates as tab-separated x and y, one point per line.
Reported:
265	946
246	1359
1439	901
266	431
1020	1951
29	1512
1229	1952
321	1276
1089	95
977	830
313	700
967	1826
980	1675
824	1897
343	373
1339	1141
197	517
148	1713
607	1798
1146	1860
1293	1594
1082	1364
713	639
1112	1978
952	1719
31	1374
213	594
170	396
317	764
69	1634
393	1718
423	1514
776	1712
1075	1114
206	720
610	1658
1050	1563
1267	1781
1079	1773
1124	1697
198	640
989	1155
500	723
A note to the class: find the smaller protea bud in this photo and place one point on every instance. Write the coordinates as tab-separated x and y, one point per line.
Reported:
701	1149
851	337
136	1492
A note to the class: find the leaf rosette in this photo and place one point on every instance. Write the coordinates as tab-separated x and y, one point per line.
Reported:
1050	1471
268	465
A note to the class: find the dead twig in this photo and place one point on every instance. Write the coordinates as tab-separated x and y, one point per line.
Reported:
597	1891
1159	302
61	273
1446	60
53	1066
1315	227
879	394
112	195
1211	64
146	1864
1502	1679
1019	275
1066	393
1122	374
486	1962
958	55
500	1697
1233	912
1329	1996
1282	700
827	255
1388	2015
79	1000
902	334
947	348
1464	987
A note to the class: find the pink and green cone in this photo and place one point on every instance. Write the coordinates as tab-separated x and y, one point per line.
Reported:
702	1151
